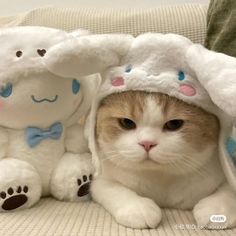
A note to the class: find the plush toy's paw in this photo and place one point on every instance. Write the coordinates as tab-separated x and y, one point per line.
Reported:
212	213
71	179
12	199
140	213
84	185
20	185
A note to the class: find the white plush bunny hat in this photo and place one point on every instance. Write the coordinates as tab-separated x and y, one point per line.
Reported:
169	64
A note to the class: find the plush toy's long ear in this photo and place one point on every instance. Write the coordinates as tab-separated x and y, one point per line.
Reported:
79	32
217	73
87	54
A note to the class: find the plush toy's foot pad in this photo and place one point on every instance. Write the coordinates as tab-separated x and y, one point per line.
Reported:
84	185
14	199
70	181
20	185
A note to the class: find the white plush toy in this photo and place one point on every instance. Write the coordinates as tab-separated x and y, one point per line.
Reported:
168	64
42	148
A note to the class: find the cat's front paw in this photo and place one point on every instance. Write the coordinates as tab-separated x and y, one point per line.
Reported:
141	213
214	214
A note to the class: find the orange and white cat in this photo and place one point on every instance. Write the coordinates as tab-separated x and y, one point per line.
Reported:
157	151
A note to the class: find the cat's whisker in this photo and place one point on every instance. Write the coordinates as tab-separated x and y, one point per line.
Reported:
195	168
177	167
198	164
119	163
186	161
126	151
109	157
194	164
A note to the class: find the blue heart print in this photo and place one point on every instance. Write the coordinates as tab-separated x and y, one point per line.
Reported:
6	91
75	86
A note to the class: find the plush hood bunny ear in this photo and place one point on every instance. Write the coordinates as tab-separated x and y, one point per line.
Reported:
216	72
80	56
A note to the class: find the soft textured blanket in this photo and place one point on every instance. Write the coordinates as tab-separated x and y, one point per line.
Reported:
53	218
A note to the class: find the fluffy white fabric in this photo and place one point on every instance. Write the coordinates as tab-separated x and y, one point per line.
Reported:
216	72
32	99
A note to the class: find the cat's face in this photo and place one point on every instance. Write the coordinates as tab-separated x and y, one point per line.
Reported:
151	130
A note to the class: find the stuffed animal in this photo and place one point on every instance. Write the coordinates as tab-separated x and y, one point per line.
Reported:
42	148
168	64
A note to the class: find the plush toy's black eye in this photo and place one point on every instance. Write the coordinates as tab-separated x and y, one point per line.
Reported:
41	52
173	125
128	68
19	53
127	124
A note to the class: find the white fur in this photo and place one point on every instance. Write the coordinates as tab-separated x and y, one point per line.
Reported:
53	167
125	205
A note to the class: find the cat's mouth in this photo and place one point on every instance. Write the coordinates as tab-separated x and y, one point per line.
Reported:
44	99
148	159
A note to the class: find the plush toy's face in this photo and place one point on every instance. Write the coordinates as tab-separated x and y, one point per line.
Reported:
22	44
29	94
38	100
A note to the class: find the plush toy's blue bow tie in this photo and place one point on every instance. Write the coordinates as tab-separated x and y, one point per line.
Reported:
35	135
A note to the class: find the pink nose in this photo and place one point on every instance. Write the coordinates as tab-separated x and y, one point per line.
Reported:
147	145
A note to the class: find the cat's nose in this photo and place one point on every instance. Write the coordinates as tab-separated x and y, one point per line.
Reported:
147	145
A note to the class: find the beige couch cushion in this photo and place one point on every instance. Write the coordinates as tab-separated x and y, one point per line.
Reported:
188	20
53	218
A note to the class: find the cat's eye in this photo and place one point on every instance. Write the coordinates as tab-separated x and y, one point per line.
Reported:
19	53
6	91
173	125
127	124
